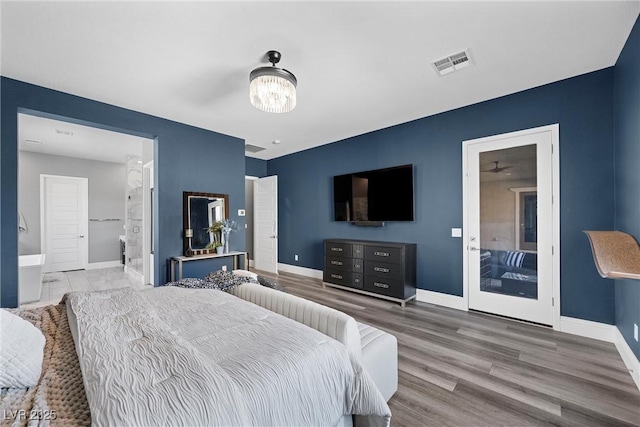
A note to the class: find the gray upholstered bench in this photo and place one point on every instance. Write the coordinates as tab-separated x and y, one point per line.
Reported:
378	350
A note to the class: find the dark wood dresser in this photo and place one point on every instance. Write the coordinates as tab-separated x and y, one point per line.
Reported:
381	269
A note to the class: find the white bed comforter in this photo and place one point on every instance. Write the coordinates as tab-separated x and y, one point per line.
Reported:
177	356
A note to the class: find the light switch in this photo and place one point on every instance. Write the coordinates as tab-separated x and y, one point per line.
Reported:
456	232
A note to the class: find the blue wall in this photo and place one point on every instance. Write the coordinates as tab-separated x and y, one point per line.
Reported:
627	175
186	159
255	167
583	106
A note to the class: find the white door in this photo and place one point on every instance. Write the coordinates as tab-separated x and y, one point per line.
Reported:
64	216
265	224
508	202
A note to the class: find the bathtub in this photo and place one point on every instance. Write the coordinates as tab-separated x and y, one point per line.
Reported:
30	277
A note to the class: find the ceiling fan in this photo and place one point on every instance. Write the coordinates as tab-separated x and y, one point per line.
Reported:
497	169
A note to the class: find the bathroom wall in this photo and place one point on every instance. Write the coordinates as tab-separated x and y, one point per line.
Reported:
133	226
106	200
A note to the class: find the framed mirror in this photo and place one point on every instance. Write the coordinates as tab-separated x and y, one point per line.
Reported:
201	211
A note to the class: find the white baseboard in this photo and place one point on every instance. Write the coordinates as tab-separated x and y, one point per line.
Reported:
438	298
588	329
105	264
628	357
302	271
134	274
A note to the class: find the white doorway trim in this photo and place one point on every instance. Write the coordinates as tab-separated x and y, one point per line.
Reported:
83	221
147	223
555	173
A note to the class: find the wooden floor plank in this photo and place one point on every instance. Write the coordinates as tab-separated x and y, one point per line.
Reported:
469	369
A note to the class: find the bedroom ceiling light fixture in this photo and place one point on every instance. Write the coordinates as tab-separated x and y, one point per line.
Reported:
273	89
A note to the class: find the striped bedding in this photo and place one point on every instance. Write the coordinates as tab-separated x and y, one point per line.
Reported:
203	357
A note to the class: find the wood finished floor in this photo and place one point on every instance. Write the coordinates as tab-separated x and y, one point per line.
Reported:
470	369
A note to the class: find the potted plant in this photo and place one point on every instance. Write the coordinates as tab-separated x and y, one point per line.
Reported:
215	245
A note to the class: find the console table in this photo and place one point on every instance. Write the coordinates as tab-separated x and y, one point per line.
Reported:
381	269
239	261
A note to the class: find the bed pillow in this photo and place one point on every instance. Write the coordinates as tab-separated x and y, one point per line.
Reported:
265	281
21	352
225	280
245	273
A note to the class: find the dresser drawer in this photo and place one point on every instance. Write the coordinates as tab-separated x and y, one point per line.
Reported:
344	278
343	264
382	253
338	249
383	269
391	288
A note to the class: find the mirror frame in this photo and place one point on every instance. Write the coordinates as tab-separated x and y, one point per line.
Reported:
186	221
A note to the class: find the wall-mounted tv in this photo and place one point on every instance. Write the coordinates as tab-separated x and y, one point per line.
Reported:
375	195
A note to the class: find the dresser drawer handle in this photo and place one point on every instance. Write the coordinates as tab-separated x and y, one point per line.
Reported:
336	262
380	285
381	269
356	265
381	253
336	276
337	249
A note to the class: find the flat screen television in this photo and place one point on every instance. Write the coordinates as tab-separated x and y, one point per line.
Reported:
375	195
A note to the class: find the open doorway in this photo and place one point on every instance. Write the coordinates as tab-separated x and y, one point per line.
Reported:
52	225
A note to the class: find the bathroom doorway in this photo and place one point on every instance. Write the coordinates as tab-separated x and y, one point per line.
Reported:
112	165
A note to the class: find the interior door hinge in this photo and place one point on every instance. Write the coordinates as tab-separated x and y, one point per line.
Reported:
553	250
553	302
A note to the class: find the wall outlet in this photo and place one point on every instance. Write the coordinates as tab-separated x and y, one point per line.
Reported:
635	331
241	212
295	257
224	268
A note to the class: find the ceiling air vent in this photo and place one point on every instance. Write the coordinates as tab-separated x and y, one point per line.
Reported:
253	148
452	63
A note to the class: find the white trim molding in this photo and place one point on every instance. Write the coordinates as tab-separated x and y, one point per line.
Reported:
444	300
628	357
302	271
587	328
104	264
135	275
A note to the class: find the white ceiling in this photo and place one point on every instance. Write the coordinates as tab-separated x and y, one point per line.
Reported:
361	66
47	136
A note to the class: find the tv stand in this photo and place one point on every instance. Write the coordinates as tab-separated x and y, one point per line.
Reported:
384	270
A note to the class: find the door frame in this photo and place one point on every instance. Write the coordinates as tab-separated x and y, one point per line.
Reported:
147	223
43	221
554	129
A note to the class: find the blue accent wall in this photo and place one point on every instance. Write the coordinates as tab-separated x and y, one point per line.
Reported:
627	175
583	106
255	167
186	159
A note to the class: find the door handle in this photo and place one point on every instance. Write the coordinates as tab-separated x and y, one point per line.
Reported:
81	236
473	249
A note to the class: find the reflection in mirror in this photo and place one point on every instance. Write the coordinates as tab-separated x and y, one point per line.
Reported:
201	211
